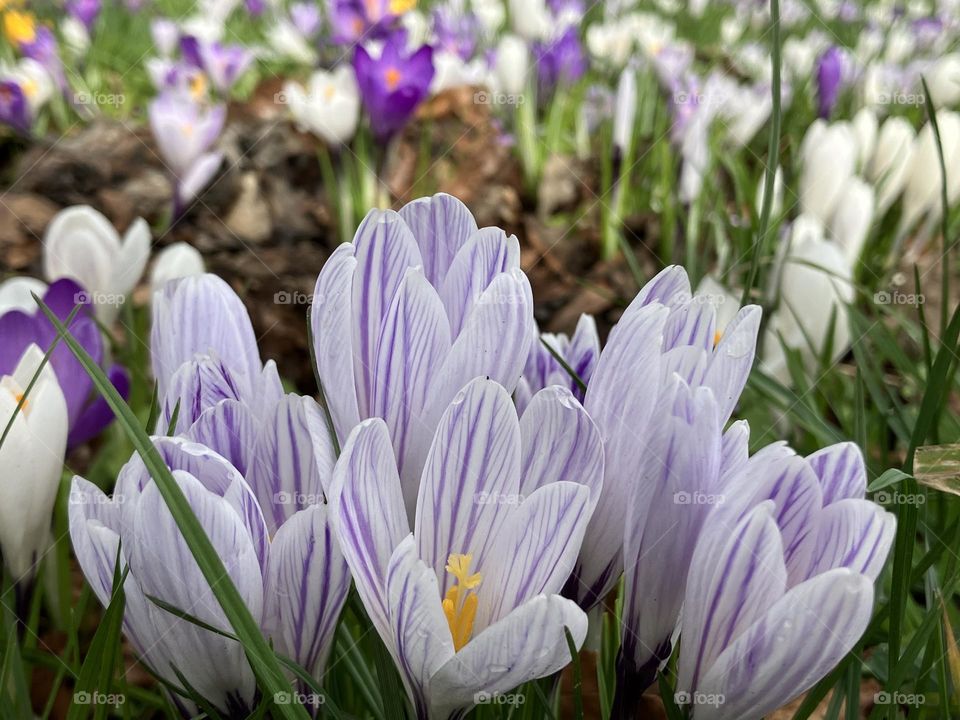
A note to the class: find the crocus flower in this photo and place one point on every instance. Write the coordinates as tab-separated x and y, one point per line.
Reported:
175	261
579	352
185	131
781	583
329	106
31	459
86	11
417	305
357	20
456	30
291	577
890	162
560	61
829	156
17	293
922	193
665	330
80	243
853	217
393	84
14	108
166	35
468	602
625	110
511	65
306	18
829	80
25	326
223	64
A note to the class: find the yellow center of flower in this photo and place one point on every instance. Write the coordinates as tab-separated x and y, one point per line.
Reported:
398	7
20	27
20	399
29	88
393	78
460	605
328	92
716	338
198	86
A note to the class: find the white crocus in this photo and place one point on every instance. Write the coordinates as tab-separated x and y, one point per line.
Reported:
852	219
865	128
923	186
531	19
175	261
329	106
38	86
31	460
776	209
450	71
511	66
888	167
944	81
82	244
287	42
828	154
625	110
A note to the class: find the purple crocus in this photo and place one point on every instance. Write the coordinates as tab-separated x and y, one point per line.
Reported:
255	7
305	18
799	548
829	80
420	303
543	369
456	31
43	48
356	20
223	64
466	597
87	412
86	11
184	131
560	61
14	107
393	84
665	331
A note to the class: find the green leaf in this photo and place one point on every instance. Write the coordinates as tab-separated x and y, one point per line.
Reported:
264	663
890	477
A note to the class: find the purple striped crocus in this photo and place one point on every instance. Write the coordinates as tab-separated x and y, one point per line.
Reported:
579	352
665	332
420	303
292	579
87	412
781	583
467	603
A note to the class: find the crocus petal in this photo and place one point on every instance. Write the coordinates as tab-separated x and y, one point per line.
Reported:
305	585
693	323
735	450
201	315
733	358
198	176
559	441
198	385
775	660
441	224
669	287
368	514
98	414
331	319
620	399
529	643
855	534
841	471
472	469
485	255
229	429
422	637
132	260
384	248
80	243
414	339
536	551
736	575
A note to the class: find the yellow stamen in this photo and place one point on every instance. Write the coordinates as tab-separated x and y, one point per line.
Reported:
29	88
328	92
20	399
716	338
20	27
198	86
459	604
393	78
398	7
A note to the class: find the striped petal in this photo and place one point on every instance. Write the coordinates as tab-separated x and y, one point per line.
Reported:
384	249
331	321
733	358
669	287
421	636
855	534
798	641
201	315
413	343
693	323
441	225
485	255
230	430
527	644
198	385
841	471
559	441
368	514
736	575
305	585
472	471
